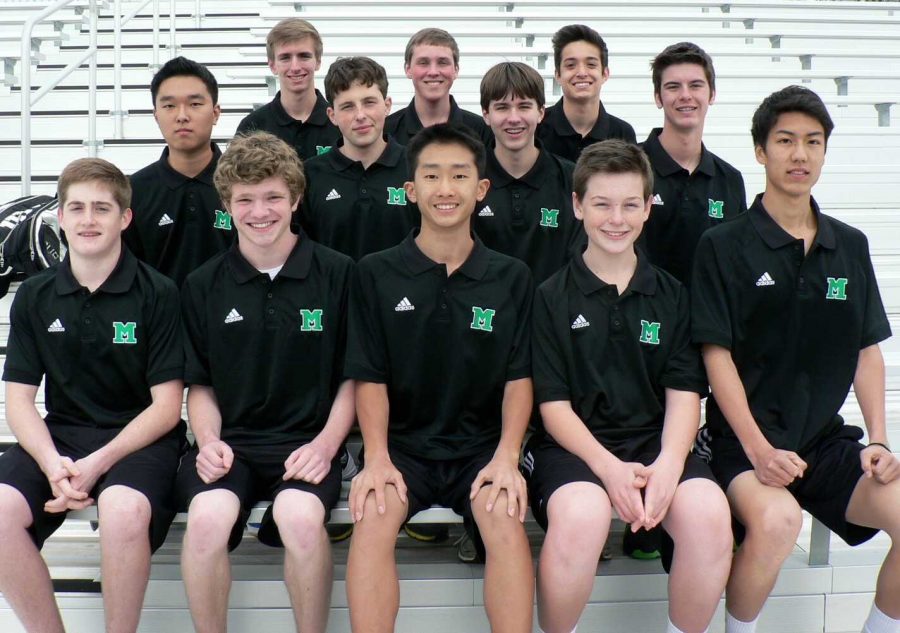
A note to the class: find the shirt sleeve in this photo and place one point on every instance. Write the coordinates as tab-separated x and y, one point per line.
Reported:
519	365
551	381
23	360
366	345
710	316
165	360
876	326
196	341
684	367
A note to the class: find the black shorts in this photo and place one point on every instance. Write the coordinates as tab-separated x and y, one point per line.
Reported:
150	471
445	483
549	467
256	475
832	474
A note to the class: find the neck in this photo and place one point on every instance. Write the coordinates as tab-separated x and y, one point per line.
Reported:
270	256
582	115
92	271
684	146
365	155
792	213
517	163
190	164
613	268
299	106
450	247
432	112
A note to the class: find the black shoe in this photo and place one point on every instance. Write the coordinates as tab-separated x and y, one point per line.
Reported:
642	545
428	532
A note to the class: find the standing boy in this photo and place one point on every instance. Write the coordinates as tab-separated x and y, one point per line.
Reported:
104	330
578	119
355	202
787	309
527	212
431	61
619	386
444	426
297	115
178	218
267	403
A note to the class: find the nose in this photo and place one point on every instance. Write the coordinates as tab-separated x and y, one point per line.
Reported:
799	152
617	216
182	113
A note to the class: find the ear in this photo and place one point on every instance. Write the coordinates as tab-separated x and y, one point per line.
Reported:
408	70
543	111
576	207
330	112
126	218
410	188
657	99
272	66
483	185
388	103
217	110
760	152
648	204
712	97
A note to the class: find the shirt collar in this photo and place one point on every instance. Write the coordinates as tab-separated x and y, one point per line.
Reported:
556	117
318	116
536	177
643	281
174	179
118	282
666	165
776	237
417	262
296	266
392	154
414	123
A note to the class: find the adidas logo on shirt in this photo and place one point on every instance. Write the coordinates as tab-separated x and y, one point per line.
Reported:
486	213
332	195
765	280
165	220
657	199
233	316
580	322
404	306
56	326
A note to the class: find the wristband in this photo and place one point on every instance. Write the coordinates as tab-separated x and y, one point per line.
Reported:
884	446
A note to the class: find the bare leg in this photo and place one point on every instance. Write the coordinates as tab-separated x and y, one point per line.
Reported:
699	522
308	571
204	558
508	570
578	517
24	579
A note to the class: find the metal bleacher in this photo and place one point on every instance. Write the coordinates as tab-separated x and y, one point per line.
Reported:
846	50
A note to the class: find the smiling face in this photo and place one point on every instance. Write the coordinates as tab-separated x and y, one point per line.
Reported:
794	155
185	113
92	219
295	64
262	213
513	121
613	211
432	71
360	112
581	72
684	96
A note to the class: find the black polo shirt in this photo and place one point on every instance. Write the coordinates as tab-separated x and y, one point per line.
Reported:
560	138
686	204
100	351
404	124
272	349
794	324
444	346
178	222
316	135
613	356
354	210
531	218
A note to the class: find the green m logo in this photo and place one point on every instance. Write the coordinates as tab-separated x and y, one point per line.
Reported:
649	332
223	221
123	333
396	196
716	209
311	320
322	149
550	217
482	319
837	288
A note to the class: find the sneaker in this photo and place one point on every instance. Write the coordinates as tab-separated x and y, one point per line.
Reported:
466	550
428	532
348	465
643	544
338	532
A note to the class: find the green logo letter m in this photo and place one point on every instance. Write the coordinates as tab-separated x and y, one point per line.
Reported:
223	221
837	288
396	196
322	149
716	209
123	333
482	319
311	320
649	332
550	217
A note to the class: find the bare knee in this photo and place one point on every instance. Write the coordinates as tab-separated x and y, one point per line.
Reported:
497	527
375	530
300	518
578	520
15	515
124	513
700	515
211	518
775	529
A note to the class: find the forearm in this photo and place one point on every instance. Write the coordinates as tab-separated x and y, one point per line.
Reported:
570	432
681	423
868	384
372	409
28	426
518	399
204	415
340	419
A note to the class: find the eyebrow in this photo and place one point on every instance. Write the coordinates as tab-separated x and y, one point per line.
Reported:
172	97
791	133
453	166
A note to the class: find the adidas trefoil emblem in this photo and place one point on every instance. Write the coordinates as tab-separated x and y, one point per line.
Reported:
404	306
657	199
233	316
56	326
486	212
580	322
765	280
165	220
332	195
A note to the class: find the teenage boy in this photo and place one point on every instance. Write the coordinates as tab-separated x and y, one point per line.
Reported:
104	331
787	309
178	218
431	61
297	115
273	306
578	119
527	212
444	426
619	385
355	202
693	188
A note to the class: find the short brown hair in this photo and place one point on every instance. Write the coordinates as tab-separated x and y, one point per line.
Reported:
345	71
431	37
682	53
95	170
612	156
578	33
291	30
511	78
255	157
